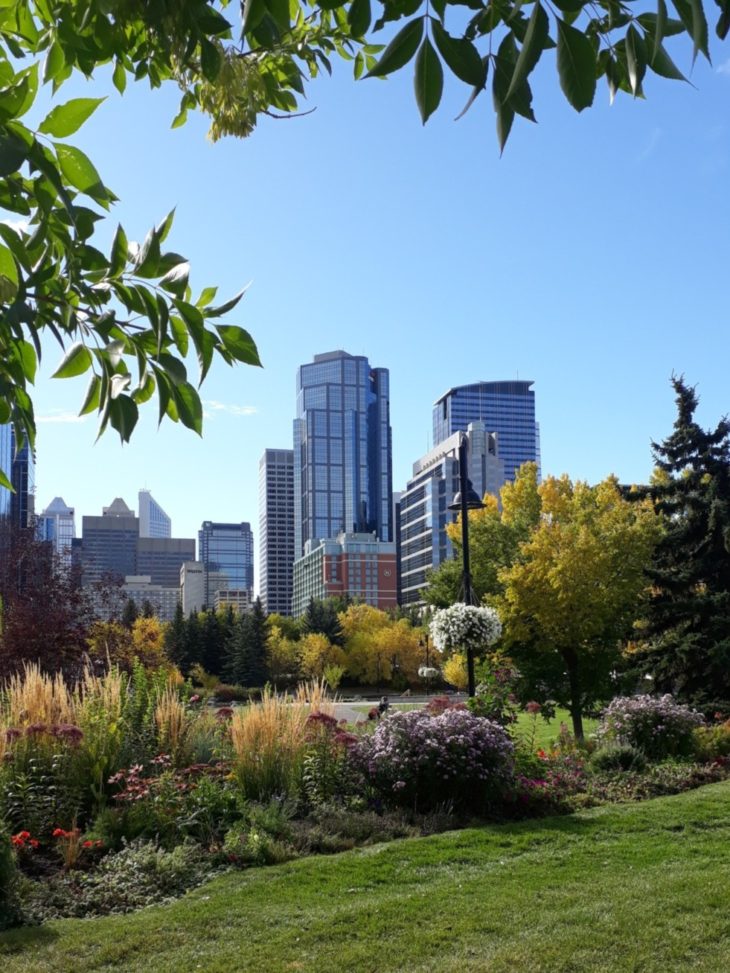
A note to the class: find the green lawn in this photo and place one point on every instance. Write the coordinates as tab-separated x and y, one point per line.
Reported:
641	887
546	733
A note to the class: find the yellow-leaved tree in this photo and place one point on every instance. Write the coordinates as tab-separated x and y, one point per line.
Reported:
316	653
576	587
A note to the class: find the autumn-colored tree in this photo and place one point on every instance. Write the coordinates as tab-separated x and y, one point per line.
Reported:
495	534
316	652
110	643
44	611
455	672
148	643
282	656
575	588
378	648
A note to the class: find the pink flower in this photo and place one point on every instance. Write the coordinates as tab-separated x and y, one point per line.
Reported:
533	708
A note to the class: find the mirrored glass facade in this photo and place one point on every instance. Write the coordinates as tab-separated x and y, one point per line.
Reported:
226	549
507	408
342	449
6	464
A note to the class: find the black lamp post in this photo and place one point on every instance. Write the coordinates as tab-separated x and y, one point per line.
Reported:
465	500
423	642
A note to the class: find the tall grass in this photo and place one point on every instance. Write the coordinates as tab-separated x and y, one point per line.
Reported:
270	739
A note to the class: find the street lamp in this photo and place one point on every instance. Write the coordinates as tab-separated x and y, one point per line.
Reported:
465	500
425	671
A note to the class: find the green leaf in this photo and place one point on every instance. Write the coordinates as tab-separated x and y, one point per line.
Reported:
164	228
148	258
693	17
120	253
189	407
218	312
576	66
176	280
13	152
662	64
123	416
145	391
5	482
80	171
92	397
723	22
460	55
538	30
66	119
429	80
28	359
53	63
119	77
400	50
635	59
359	16
9	280
211	60
253	13
661	25
239	344
76	361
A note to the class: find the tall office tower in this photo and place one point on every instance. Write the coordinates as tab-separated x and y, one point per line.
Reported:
22	501
6	465
162	557
342	450
57	526
153	521
424	512
276	529
226	549
109	543
507	408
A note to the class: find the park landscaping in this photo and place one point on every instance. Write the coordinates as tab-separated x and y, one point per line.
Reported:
625	887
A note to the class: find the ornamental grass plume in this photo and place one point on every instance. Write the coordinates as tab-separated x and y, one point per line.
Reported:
270	739
34	697
174	725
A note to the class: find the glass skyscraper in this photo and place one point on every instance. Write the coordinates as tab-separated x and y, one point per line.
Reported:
226	549
507	408
276	529
342	450
57	526
6	465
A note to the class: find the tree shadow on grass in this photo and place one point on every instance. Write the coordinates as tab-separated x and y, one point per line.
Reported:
16	941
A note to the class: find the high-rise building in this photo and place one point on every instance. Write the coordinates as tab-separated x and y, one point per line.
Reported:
228	549
109	543
276	529
506	408
153	521
163	598
194	582
22	501
359	566
342	450
162	557
6	465
57	525
424	513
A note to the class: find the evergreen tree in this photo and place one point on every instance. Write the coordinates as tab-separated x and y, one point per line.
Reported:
129	613
175	639
193	642
212	642
246	656
148	609
687	637
321	618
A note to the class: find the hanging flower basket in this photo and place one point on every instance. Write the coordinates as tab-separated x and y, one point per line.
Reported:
465	626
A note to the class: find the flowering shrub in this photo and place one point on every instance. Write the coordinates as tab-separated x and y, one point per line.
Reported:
496	697
467	626
712	742
421	761
657	725
325	771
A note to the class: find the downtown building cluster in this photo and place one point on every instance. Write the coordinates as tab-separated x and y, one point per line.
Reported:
329	522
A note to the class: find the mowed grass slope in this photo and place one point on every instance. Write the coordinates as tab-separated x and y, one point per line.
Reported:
641	887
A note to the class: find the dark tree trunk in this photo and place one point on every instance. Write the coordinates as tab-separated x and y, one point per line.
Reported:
576	709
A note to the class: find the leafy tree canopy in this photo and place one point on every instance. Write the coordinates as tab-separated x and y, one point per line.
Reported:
129	317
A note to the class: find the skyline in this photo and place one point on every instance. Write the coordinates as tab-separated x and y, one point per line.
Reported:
589	259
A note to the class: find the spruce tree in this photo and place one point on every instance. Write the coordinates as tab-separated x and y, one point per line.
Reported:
320	618
130	614
213	639
687	647
246	655
175	638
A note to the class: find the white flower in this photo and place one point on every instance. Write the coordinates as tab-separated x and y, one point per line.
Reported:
465	626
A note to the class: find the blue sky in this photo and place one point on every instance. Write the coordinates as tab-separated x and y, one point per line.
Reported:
592	258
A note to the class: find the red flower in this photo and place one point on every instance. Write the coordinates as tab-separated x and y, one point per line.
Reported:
34	842
24	835
59	833
88	844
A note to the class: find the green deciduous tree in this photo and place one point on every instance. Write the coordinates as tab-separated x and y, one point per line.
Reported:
128	317
686	642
